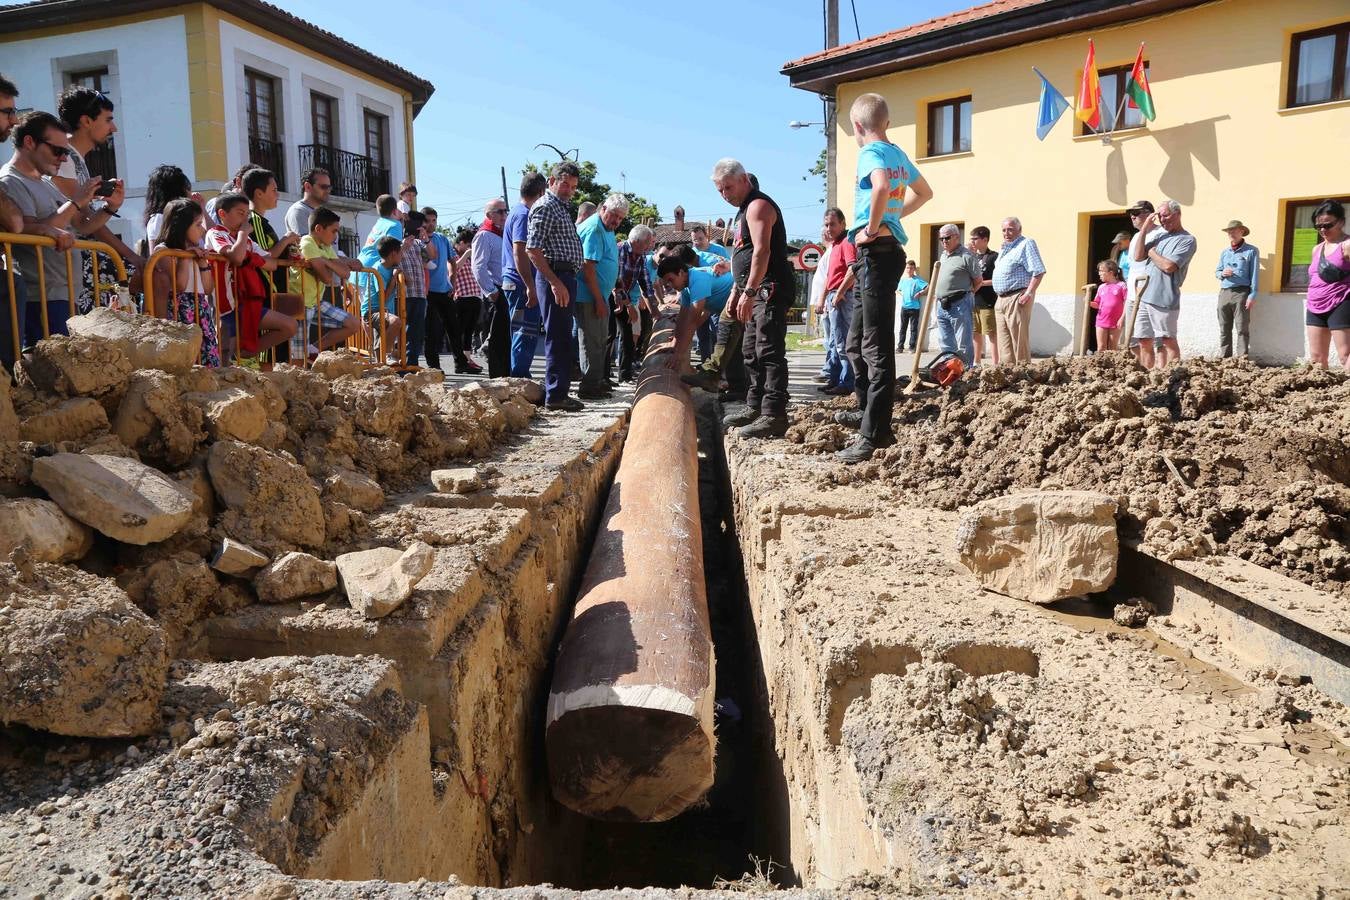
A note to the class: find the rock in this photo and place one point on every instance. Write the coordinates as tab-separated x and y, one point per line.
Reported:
177	591
232	414
68	421
531	390
153	420
272	503
499	389
49	534
1130	615
234	558
424	377
71	366
9	422
76	656
295	575
377	406
1041	546
148	342
122	498
456	481
355	490
334	364
378	581
518	412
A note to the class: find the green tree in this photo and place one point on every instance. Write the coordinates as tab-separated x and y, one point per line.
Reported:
818	171
589	187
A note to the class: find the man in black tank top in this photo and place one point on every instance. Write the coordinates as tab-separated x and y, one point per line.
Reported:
764	291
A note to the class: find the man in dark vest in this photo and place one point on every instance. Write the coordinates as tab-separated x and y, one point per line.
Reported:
763	294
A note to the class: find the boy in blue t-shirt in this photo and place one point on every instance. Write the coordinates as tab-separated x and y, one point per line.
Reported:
378	306
703	294
889	187
912	288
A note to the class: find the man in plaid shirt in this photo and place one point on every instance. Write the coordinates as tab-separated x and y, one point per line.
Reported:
633	287
555	251
413	267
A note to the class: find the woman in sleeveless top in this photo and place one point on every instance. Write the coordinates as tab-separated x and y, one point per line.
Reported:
1328	314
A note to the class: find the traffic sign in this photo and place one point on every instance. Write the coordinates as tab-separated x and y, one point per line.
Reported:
809	256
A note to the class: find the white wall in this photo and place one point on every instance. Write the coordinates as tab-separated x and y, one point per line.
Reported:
147	68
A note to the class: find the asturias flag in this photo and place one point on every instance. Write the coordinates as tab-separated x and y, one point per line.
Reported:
1090	92
1137	89
1051	107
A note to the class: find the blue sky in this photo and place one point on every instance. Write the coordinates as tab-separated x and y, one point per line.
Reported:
659	93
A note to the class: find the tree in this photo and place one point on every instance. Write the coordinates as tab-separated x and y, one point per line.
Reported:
589	188
818	171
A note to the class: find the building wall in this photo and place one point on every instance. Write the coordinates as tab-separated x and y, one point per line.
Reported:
145	61
1222	145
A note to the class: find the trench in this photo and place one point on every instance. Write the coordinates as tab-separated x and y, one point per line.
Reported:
739	832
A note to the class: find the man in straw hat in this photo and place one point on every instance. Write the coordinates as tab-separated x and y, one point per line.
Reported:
1238	266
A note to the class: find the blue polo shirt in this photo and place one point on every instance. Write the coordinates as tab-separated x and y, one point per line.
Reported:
517	228
598	245
708	258
704	285
901	172
438	279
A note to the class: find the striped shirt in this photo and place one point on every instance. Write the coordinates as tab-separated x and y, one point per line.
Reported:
633	282
413	266
553	230
1019	261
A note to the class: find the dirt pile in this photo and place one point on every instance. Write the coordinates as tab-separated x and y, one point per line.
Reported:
1204	457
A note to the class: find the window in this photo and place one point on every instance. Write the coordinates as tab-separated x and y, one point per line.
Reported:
949	127
1299	240
377	139
322	119
102	161
1113	82
1319	66
262	108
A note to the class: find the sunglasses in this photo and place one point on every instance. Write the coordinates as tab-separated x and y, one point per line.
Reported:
1324	226
61	152
10	111
947	237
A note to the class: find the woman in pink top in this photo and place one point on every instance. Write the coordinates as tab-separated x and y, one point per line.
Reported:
1328	317
1109	303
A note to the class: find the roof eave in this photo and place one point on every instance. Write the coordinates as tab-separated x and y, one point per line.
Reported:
995	32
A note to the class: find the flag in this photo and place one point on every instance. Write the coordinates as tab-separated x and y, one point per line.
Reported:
1051	107
1090	92
1137	89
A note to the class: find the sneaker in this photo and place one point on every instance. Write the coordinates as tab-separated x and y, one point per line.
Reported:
569	404
826	387
744	417
821	379
701	378
471	368
860	450
849	418
838	391
765	427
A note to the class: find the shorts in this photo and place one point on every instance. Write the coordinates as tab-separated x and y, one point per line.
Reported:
1156	323
1337	318
984	322
328	315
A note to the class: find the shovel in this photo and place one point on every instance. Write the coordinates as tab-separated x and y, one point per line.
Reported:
913	386
1134	311
1087	314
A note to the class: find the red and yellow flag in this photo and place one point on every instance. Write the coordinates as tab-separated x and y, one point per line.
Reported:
1089	104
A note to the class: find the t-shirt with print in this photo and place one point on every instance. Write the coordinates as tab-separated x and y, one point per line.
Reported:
704	285
1163	289
598	245
303	281
219	241
37	198
383	228
901	172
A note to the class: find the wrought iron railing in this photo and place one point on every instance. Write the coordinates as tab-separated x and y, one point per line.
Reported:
270	155
354	176
349	242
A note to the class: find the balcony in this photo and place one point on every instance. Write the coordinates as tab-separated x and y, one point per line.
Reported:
354	176
270	155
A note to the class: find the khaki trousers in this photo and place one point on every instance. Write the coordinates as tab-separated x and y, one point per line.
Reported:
1013	323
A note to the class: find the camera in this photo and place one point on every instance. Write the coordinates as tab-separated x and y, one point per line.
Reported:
106	188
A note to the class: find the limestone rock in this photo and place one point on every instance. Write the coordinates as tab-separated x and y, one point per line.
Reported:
354	489
122	498
334	364
457	481
177	591
153	420
1041	546
50	535
295	575
148	342
232	414
378	581
518	412
272	503
76	656
377	406
531	390
68	421
499	389
235	558
71	366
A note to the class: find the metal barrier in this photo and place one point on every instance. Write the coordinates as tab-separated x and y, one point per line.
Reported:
73	278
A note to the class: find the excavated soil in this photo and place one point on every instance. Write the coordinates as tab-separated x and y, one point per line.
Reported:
1204	457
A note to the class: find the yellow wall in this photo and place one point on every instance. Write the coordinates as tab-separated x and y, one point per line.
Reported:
1220	145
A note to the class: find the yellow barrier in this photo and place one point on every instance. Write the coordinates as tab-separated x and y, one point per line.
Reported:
38	243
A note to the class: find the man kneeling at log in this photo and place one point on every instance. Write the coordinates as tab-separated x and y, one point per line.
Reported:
703	294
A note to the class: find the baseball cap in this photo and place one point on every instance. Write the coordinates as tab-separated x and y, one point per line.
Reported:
1143	206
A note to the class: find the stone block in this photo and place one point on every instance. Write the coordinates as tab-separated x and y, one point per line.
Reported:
272	503
153	420
235	558
231	413
50	534
68	421
148	342
122	498
295	575
70	366
1041	546
457	481
354	489
378	581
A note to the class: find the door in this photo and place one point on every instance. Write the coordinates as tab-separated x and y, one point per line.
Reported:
1101	229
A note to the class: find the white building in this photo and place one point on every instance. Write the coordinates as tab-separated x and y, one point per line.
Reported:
209	86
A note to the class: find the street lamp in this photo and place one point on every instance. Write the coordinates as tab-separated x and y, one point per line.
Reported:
795	124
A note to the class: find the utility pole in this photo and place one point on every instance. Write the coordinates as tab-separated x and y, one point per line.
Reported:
505	198
831	155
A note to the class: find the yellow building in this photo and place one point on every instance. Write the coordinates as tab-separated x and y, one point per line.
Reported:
1253	123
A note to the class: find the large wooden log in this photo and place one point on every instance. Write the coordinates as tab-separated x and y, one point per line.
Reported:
630	713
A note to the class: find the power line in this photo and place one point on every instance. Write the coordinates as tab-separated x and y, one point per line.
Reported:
856	29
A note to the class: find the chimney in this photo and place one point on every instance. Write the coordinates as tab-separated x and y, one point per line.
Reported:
679	218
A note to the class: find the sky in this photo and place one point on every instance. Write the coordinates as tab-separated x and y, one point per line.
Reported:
656	93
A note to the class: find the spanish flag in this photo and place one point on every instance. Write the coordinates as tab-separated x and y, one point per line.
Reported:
1089	105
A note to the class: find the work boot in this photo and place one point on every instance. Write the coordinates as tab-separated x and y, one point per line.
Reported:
822	378
849	418
702	378
765	427
739	419
567	404
860	450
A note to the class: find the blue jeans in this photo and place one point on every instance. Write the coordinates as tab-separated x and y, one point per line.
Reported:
417	327
840	372
524	329
559	344
956	328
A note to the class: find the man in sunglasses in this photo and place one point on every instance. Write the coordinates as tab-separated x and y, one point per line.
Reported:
40	146
1162	250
